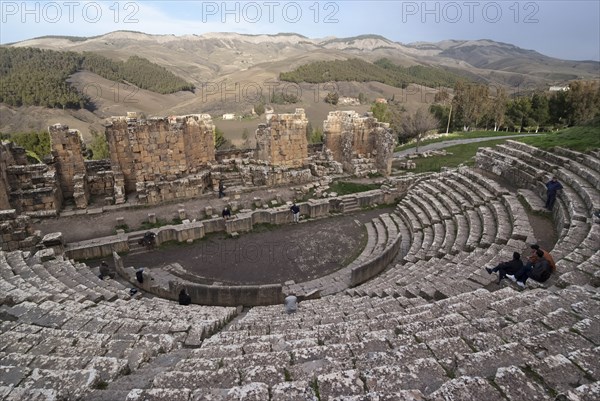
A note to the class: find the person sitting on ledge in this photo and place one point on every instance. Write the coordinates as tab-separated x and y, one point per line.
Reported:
540	271
533	257
511	267
105	271
184	297
226	213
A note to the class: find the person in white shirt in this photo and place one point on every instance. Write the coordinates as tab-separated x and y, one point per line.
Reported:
291	304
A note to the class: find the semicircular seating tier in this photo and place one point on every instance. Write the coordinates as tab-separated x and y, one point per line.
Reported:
65	332
425	329
498	344
454	223
575	213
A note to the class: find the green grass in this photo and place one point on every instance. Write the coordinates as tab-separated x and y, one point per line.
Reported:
580	139
461	154
148	226
458	135
123	227
345	188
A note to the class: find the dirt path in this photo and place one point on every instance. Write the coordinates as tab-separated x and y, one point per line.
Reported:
445	144
88	226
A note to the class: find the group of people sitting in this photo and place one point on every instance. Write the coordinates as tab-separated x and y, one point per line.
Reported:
539	267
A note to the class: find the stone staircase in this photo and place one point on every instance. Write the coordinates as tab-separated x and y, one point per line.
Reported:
231	180
350	204
134	247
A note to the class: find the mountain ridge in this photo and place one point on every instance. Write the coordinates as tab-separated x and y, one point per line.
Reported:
214	54
219	61
278	37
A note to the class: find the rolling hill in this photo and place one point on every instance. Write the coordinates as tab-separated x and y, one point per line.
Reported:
228	69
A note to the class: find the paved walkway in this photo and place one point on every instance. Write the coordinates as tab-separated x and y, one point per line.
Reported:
452	142
80	227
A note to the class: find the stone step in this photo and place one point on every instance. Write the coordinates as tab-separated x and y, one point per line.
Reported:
532	201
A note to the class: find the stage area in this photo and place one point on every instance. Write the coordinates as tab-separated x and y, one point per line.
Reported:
269	254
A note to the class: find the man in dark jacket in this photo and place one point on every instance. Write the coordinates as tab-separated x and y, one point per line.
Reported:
540	271
552	187
226	213
511	267
295	209
533	258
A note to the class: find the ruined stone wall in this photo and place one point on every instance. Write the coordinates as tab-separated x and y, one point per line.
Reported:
27	188
100	177
34	189
322	164
282	140
351	136
160	149
66	148
6	159
16	232
155	192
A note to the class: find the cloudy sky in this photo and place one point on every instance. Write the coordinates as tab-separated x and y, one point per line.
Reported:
563	29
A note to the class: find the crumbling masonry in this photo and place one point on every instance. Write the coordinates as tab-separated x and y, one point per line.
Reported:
282	140
160	149
70	165
169	158
360	143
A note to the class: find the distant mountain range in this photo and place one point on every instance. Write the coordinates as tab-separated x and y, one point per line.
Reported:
230	58
216	54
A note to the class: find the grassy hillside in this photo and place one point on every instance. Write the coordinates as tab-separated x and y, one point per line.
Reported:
34	77
580	139
457	155
383	70
454	136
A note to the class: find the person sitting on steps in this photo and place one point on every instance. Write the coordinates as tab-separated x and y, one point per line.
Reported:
149	240
540	271
505	268
533	257
105	271
290	304
226	213
221	189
